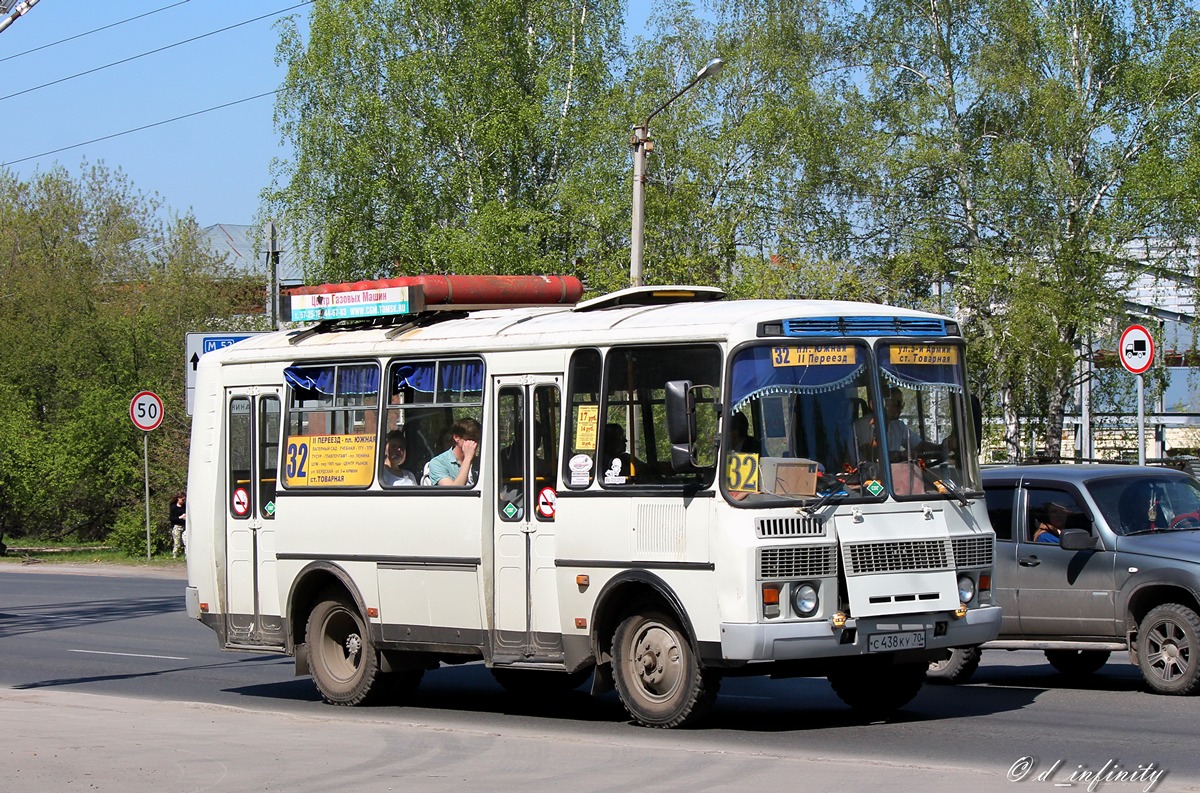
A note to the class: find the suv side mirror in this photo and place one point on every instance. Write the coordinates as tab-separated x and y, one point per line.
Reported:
1077	540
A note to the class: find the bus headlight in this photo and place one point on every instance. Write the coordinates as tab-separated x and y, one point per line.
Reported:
804	600
966	588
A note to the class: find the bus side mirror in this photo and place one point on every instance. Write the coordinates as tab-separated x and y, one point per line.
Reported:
693	435
681	424
977	420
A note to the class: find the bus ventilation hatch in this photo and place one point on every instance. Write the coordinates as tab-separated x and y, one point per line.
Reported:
865	326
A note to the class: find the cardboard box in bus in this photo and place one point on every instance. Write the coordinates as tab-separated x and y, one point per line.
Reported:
788	476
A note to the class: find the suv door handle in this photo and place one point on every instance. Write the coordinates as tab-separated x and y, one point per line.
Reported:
1029	561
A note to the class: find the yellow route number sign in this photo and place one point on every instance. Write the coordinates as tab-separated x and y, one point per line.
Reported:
329	460
819	355
741	474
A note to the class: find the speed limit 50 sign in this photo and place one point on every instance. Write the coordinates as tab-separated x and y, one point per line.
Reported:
146	410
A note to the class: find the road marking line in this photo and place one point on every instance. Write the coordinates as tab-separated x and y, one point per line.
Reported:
132	655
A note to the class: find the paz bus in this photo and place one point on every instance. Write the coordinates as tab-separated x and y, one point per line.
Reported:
670	488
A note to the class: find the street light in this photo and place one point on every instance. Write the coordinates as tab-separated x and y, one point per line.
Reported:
17	10
641	144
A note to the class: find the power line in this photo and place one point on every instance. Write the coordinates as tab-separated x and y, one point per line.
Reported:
152	52
138	129
90	32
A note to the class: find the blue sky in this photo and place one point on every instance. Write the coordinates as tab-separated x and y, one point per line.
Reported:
213	163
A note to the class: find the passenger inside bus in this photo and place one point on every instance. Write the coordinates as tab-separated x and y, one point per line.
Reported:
458	465
395	452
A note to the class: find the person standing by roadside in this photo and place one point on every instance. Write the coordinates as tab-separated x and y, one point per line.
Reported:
178	523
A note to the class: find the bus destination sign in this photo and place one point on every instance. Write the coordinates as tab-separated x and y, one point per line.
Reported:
356	304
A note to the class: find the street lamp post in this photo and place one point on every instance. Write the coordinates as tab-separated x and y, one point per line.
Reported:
641	144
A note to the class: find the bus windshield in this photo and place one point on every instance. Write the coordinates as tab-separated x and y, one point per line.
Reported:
806	423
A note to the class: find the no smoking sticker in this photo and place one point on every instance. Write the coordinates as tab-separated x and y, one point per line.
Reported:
241	501
547	500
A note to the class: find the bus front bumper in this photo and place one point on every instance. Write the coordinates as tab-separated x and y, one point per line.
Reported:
782	641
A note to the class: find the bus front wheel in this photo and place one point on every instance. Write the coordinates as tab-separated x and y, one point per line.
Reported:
877	687
342	658
657	674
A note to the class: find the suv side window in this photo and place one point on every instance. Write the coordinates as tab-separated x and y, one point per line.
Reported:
1050	512
1000	509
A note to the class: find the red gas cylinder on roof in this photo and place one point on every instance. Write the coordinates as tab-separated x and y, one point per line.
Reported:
472	290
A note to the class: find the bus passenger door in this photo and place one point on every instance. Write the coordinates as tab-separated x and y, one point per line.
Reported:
252	612
525	607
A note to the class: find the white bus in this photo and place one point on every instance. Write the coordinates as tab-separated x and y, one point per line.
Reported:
670	488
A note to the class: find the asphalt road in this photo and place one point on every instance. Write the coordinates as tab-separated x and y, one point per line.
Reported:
105	684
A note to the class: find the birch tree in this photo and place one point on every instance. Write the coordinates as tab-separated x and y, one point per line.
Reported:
1021	147
442	136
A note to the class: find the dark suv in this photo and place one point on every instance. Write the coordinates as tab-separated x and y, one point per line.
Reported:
1092	559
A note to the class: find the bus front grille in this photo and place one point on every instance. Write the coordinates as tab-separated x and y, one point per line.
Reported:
805	526
807	561
866	558
973	551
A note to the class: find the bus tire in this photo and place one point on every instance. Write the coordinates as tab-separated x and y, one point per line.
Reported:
1168	646
878	688
958	668
539	682
1077	662
342	658
658	676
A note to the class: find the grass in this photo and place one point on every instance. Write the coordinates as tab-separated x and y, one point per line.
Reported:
27	551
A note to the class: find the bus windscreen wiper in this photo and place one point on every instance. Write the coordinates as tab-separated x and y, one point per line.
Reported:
828	498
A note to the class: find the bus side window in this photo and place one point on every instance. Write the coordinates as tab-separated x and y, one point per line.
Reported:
583	419
425	398
240	447
547	412
635	380
326	403
268	454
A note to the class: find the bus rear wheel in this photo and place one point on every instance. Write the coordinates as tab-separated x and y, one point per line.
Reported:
657	674
342	658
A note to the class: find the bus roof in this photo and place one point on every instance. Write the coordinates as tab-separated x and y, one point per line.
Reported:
589	325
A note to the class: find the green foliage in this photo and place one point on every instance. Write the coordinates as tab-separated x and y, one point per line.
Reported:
1017	149
441	136
98	296
128	534
992	158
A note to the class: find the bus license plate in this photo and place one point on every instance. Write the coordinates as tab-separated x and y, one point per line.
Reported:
890	642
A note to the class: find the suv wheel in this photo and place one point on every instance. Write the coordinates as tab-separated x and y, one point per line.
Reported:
1168	648
1077	662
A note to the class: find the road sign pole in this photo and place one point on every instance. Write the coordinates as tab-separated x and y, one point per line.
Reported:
146	469
1141	420
146	412
1136	353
